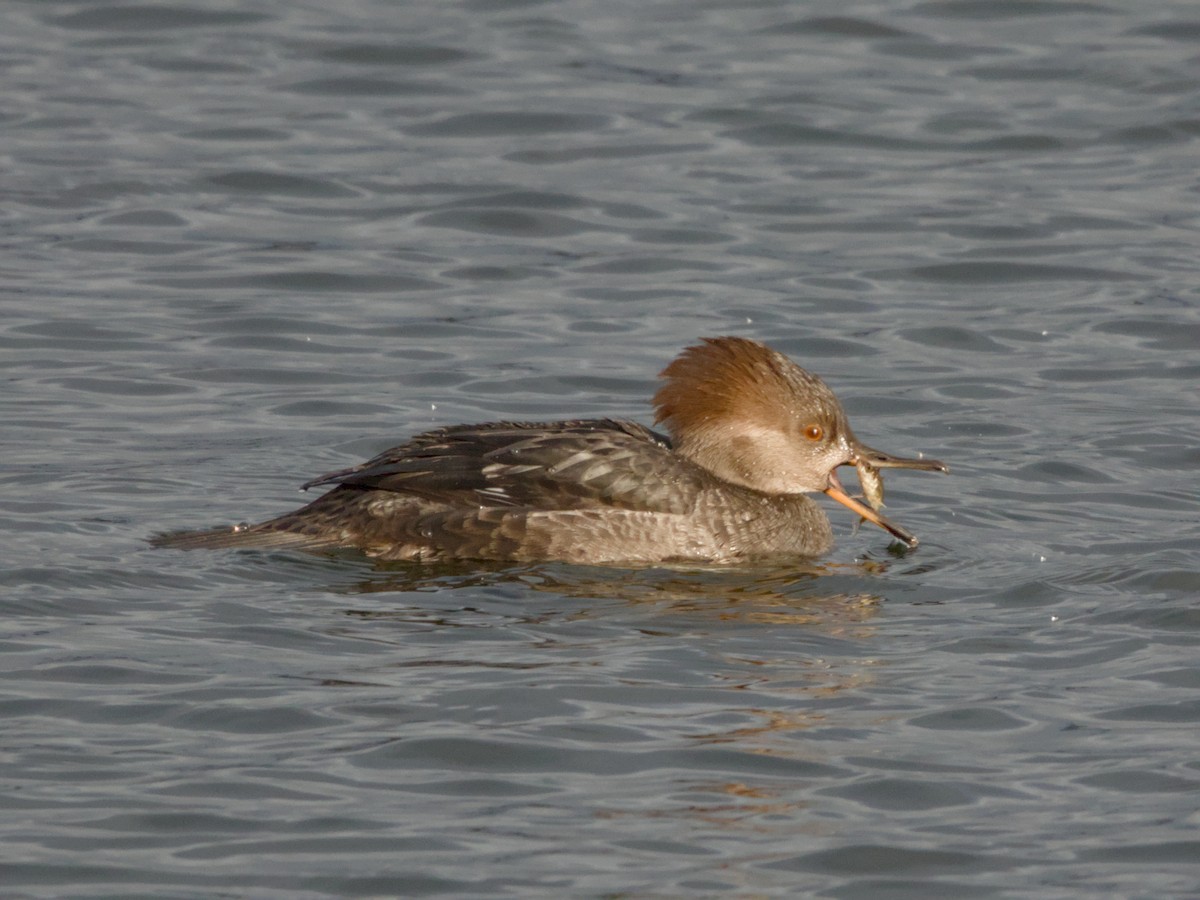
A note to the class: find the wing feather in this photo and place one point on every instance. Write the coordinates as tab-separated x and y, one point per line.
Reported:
560	465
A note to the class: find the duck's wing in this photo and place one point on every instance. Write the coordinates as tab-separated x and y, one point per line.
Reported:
558	465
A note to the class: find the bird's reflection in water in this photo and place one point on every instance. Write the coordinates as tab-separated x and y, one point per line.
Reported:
740	658
792	594
731	804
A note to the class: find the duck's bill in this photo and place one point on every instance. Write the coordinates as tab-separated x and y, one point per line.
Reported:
881	460
838	493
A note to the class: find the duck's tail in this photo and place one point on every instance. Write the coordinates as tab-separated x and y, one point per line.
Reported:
265	536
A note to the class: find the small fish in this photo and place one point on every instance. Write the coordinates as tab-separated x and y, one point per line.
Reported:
872	484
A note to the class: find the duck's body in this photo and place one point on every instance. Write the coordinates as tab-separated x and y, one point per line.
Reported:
582	491
751	432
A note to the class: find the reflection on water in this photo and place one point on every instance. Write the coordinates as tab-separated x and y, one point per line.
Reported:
695	603
732	805
791	595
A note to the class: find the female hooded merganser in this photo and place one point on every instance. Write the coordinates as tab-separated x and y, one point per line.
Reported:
750	435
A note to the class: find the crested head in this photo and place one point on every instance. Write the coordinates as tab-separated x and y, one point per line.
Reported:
752	416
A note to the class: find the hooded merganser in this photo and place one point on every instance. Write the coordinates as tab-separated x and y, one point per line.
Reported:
749	435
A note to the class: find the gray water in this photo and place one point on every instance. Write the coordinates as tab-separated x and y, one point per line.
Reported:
246	244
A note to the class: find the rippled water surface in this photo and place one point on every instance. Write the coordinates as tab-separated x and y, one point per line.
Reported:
245	244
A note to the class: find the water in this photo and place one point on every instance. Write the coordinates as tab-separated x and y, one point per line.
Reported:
244	246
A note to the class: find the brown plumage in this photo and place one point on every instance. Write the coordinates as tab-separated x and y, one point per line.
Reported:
749	433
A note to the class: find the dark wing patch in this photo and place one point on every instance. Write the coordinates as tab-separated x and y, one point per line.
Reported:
559	465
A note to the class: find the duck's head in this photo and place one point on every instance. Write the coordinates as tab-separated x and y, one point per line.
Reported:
753	417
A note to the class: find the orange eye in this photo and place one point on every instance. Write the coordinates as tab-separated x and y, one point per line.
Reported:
814	432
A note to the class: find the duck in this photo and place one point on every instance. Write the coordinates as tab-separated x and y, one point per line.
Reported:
750	438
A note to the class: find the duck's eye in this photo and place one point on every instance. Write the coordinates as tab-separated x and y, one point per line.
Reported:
814	432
